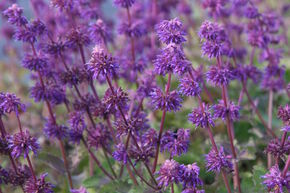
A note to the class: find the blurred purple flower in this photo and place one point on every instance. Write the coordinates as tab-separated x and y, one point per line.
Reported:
120	153
189	87
124	3
10	103
14	15
78	125
220	76
53	130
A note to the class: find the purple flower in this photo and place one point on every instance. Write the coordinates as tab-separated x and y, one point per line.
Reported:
40	186
168	173
170	31
176	143
54	48
144	153
284	114
88	102
99	32
216	161
37	27
120	153
4	176
76	38
35	63
275	181
286	129
244	72
14	15
189	87
211	31
276	149
150	137
25	35
192	190
80	190
99	136
220	76
116	100
189	176
214	36
171	59
51	92
147	83
101	63
132	125
251	12
4	146
20	177
78	125
201	117
232	111
22	143
168	102
74	76
124	3
53	130
273	77
63	4
10	103
134	30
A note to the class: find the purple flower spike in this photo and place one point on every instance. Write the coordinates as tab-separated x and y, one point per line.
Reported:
124	3
170	102
10	103
99	136
284	114
214	36
51	92
101	63
220	111
134	30
116	100
120	154
275	181
276	149
176	143
189	87
189	176
216	161
220	76
171	59
19	178
201	118
168	173
78	125
23	143
35	63
14	15
170	31
40	185
52	130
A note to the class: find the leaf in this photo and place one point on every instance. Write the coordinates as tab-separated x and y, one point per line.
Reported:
258	171
52	161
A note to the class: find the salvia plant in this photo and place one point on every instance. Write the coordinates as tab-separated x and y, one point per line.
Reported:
144	96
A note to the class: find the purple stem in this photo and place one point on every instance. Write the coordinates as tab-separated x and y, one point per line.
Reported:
161	125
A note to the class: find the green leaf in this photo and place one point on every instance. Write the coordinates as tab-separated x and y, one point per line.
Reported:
52	161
